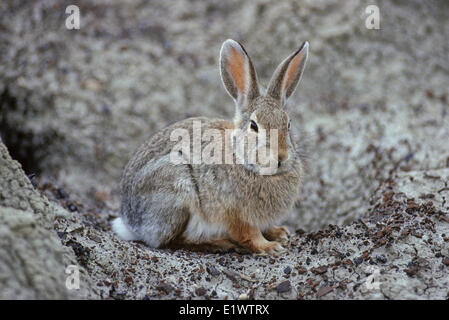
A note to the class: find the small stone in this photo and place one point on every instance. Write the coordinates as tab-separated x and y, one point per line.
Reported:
284	286
222	261
243	296
233	276
339	233
213	271
61	193
301	270
411	206
446	262
319	270
287	270
200	291
381	258
323	291
412	269
347	262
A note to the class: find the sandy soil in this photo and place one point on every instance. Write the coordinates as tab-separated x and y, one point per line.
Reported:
372	110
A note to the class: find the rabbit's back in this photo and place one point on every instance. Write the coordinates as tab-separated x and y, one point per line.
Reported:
161	144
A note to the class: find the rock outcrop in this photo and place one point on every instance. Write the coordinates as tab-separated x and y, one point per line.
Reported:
372	218
33	262
399	251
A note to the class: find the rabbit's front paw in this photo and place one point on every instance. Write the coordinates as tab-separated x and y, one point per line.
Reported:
279	234
251	238
269	247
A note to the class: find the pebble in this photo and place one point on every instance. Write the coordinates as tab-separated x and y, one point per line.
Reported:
222	261
284	286
381	258
302	270
200	291
243	296
323	291
213	271
61	193
319	270
165	287
446	262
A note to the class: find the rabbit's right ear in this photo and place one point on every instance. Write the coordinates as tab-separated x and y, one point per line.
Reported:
238	73
288	74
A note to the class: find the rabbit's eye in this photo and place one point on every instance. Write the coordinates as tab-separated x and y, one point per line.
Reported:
254	126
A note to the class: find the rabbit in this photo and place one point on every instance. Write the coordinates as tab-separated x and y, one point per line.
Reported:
219	206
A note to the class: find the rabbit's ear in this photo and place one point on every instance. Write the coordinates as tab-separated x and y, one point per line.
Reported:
287	75
238	73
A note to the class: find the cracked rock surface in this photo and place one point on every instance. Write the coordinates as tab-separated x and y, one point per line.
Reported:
32	259
399	251
372	108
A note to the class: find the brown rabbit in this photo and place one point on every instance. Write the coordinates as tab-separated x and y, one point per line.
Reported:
221	205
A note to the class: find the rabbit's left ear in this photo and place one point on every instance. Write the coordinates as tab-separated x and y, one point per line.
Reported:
238	73
287	75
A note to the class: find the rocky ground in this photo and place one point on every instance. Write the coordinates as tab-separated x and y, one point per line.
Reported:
399	251
372	109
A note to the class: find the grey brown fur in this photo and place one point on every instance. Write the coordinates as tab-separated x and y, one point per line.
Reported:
223	205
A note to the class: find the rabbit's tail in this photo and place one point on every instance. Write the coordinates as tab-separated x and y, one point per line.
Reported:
123	230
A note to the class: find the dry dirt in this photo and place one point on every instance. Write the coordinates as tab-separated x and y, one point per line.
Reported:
372	109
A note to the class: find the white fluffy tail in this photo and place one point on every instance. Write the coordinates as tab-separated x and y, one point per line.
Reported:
123	230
